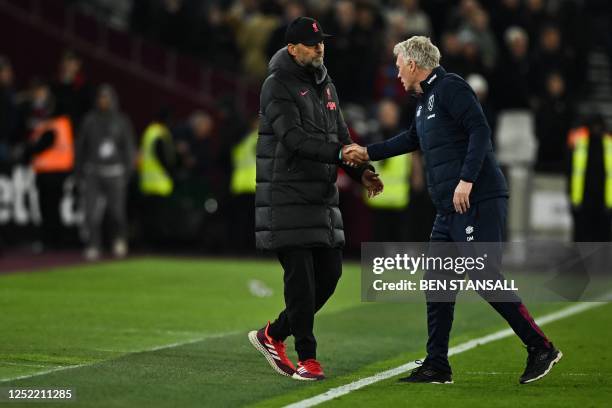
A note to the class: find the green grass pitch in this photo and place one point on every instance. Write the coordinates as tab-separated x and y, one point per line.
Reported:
169	332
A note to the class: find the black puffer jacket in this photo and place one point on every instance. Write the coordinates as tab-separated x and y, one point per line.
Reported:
301	133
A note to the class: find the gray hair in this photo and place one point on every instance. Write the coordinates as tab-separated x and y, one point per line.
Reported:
419	49
514	33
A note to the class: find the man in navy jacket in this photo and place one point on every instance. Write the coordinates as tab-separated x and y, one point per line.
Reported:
466	186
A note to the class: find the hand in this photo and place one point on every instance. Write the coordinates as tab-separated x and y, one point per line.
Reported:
354	155
461	199
372	183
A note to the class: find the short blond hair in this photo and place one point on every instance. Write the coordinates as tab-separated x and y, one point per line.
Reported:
419	49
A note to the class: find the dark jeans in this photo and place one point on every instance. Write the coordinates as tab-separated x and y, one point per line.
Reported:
487	220
311	275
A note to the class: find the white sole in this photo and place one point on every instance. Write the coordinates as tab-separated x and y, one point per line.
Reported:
266	354
298	377
552	363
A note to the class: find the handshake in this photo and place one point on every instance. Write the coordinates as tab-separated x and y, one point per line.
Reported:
354	155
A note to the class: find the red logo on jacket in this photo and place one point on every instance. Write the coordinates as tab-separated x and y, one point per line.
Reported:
315	28
331	105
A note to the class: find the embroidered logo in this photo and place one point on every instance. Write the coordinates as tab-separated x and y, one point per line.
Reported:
315	28
469	229
430	103
331	105
419	111
304	92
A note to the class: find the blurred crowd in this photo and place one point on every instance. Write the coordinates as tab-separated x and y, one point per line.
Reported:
516	54
519	54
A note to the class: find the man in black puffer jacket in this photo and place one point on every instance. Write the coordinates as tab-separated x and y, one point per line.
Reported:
302	139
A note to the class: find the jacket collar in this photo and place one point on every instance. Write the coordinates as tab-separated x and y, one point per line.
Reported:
282	61
429	82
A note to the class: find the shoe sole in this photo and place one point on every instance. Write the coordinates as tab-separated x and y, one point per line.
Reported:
427	382
271	360
296	376
552	363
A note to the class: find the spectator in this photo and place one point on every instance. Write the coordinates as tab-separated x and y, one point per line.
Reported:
104	162
407	20
341	51
252	37
481	88
8	109
477	25
472	59
507	14
461	14
452	53
386	85
513	78
535	17
292	10
73	93
215	41
550	57
194	145
367	44
553	119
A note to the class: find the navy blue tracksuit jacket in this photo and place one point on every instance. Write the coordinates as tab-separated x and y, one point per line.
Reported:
451	130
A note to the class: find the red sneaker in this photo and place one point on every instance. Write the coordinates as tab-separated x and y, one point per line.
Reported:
272	350
309	370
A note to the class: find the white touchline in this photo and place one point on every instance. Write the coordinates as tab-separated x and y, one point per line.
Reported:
468	345
155	348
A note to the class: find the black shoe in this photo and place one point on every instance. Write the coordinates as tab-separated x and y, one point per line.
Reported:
426	374
539	362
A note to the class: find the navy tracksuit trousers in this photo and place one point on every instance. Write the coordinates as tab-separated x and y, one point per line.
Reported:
483	222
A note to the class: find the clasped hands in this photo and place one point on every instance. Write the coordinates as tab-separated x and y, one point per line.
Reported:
354	155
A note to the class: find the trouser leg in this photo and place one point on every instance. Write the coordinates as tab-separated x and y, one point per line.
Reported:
298	316
326	270
488	221
94	212
440	315
115	191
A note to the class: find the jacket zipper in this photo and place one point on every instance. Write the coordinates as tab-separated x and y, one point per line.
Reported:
329	167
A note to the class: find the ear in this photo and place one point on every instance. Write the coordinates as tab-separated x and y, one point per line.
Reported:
292	49
413	67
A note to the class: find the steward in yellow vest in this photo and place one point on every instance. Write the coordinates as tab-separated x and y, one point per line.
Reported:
154	177
590	183
579	140
243	163
395	171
